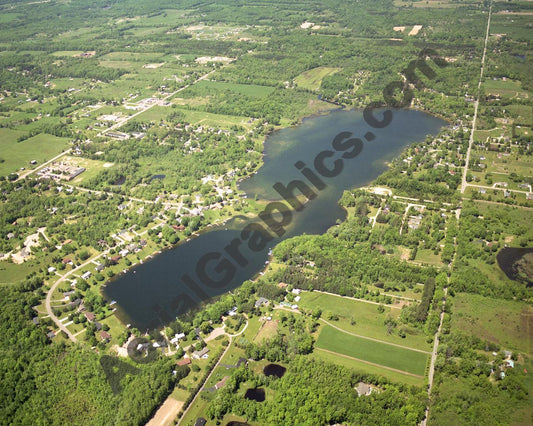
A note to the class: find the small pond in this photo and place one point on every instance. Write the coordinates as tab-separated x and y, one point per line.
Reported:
234	423
256	394
274	370
120	181
157	177
517	264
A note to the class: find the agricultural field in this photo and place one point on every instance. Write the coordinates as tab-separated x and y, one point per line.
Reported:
387	356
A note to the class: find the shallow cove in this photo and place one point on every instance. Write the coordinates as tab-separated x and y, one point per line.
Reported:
156	293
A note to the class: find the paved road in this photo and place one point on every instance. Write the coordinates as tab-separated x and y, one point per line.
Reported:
476	105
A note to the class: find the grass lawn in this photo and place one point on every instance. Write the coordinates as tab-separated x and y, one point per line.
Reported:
15	154
371	351
368	321
312	79
505	322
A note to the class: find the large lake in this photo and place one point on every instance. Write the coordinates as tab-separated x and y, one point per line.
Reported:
154	293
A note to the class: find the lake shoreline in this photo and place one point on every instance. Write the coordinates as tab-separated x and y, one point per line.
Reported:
163	278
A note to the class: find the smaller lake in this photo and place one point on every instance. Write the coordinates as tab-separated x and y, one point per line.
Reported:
274	370
257	394
517	264
157	177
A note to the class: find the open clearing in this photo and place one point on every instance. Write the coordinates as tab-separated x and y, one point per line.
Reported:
15	154
252	90
267	330
505	322
312	79
166	414
367	350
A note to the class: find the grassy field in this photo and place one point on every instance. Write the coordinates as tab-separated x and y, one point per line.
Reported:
351	363
11	273
428	257
208	119
252	90
311	79
505	164
375	352
68	53
19	154
508	323
368	321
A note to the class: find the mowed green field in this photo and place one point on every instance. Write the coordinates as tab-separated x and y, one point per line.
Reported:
311	79
368	321
352	363
383	354
15	154
505	322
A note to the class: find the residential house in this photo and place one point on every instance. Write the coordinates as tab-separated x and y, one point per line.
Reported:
90	316
222	383
201	354
184	361
260	302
